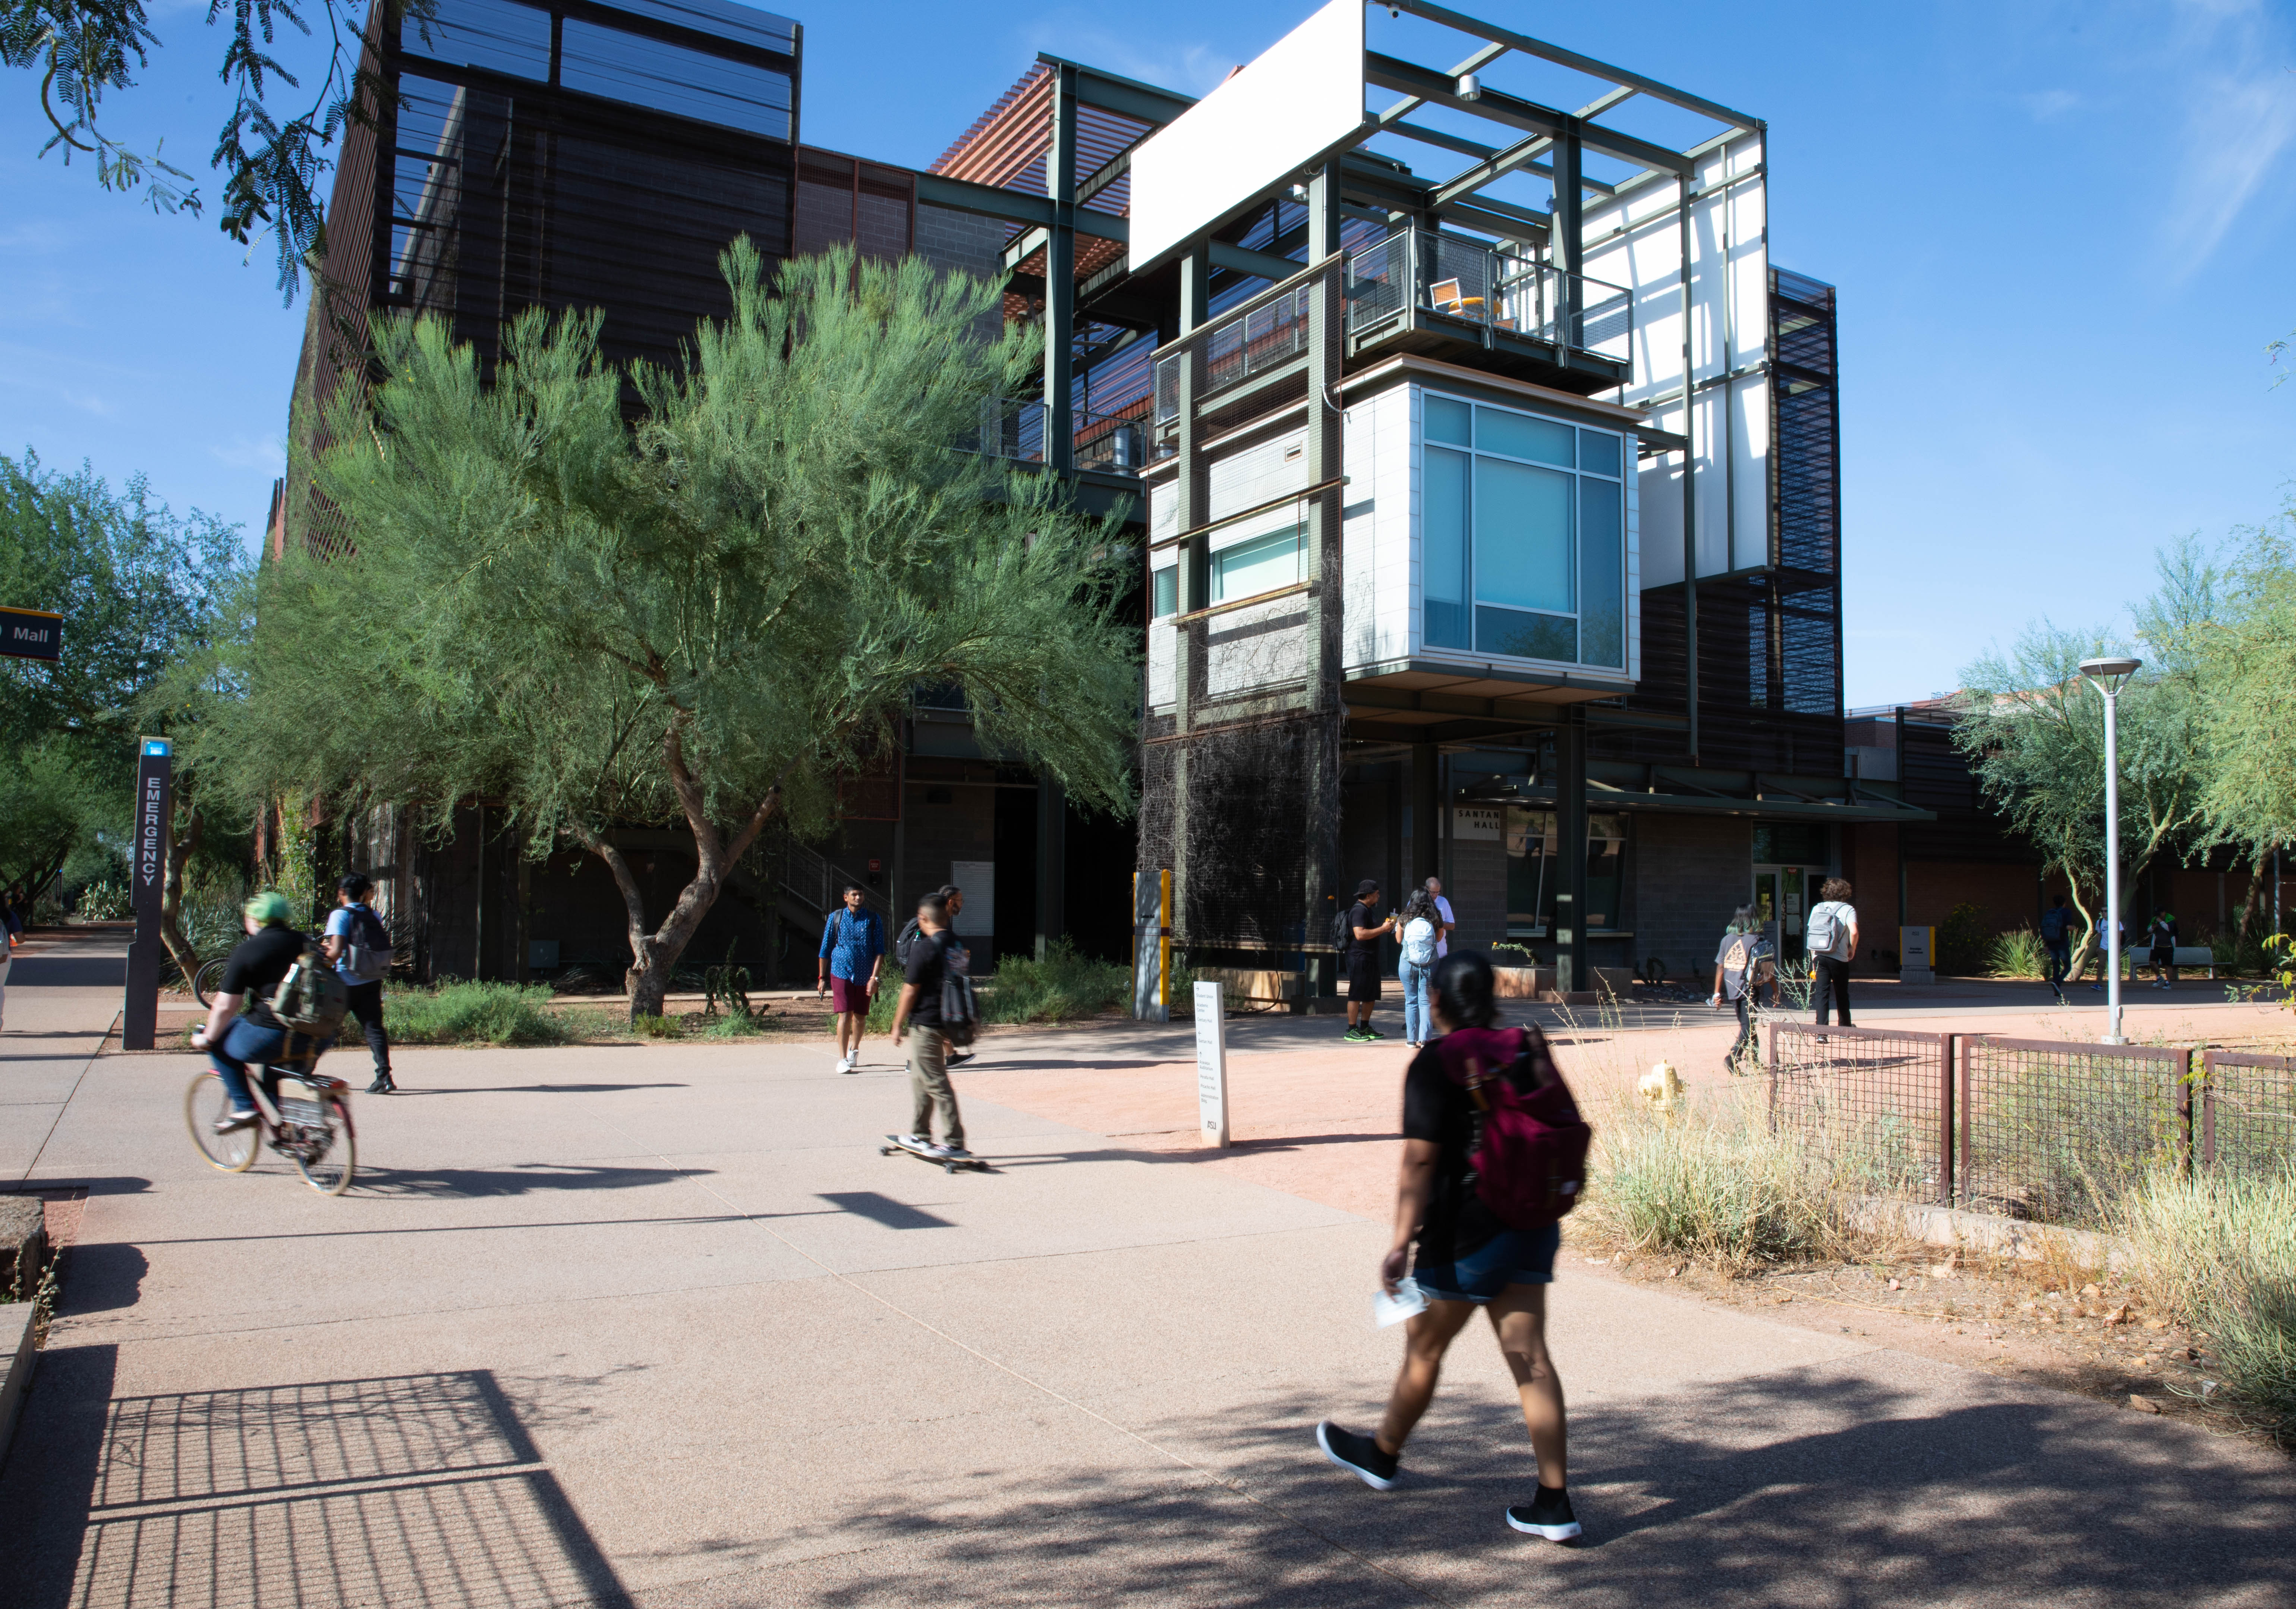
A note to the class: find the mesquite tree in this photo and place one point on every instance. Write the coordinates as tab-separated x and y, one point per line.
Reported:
702	617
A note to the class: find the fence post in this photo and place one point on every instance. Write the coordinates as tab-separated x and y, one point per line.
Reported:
1945	1120
2208	1109
1968	1086
1772	1028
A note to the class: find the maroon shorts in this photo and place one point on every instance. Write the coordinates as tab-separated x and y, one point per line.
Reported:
847	996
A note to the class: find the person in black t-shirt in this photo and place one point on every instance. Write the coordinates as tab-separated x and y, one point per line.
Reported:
1466	1259
1365	931
931	957
234	1042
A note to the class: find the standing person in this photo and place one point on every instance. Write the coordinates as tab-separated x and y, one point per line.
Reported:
1363	931
2163	932
1831	944
1421	933
926	969
2106	931
359	945
2057	939
852	949
1739	967
1466	1258
236	1043
1444	920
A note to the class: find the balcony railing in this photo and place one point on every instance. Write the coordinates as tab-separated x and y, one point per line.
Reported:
1475	284
1014	428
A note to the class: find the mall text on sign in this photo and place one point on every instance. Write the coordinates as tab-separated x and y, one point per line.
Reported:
31	634
1211	1061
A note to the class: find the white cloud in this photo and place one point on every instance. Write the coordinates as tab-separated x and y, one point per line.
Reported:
2047	105
1190	69
2240	119
266	453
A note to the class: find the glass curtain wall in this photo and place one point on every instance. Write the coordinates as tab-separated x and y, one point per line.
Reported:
1523	531
1533	874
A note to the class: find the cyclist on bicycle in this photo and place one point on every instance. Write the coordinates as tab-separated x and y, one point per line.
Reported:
236	1043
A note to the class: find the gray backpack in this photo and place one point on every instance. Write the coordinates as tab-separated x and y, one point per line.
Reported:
1828	936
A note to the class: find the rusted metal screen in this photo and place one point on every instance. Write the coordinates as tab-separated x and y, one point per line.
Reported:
1873	1108
2247	1119
2052	1129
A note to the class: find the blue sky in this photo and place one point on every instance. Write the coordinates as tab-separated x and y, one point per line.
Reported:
2062	235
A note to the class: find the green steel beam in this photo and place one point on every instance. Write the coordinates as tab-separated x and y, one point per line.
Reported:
1390	72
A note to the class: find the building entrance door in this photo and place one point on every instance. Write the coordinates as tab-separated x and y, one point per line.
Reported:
1782	900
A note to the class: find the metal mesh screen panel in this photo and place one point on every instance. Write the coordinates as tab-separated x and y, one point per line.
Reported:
1869	1108
2248	1113
2051	1129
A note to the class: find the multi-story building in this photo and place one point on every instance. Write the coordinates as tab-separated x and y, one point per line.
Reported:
1486	468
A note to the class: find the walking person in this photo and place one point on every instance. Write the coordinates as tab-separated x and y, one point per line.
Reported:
927	967
1742	965
1467	1257
852	950
1362	930
1831	943
358	944
2057	939
2163	934
1421	934
2113	927
1444	920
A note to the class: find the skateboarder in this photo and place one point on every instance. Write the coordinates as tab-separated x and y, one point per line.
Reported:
919	1010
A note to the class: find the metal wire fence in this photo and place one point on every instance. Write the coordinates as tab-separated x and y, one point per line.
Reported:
1872	1108
2053	1130
2247	1119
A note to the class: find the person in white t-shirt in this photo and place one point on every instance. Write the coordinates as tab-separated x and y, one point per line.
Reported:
1444	920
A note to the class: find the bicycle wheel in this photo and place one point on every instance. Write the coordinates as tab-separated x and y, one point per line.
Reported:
208	978
327	1158
204	1103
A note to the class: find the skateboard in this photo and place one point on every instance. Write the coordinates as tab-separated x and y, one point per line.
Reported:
949	1164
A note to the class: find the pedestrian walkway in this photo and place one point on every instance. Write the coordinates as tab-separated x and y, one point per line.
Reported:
657	1324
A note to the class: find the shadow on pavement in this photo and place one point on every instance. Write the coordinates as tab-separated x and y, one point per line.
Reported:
524	1088
523	1180
68	971
415	1489
1810	1486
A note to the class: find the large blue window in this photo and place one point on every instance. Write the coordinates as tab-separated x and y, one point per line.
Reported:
1522	526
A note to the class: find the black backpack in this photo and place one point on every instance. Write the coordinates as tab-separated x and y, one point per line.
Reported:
959	1011
1344	930
901	945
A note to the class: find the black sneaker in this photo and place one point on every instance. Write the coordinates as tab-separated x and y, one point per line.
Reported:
1360	1455
1548	1515
958	1058
382	1084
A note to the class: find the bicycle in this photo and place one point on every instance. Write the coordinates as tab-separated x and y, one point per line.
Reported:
303	1115
209	979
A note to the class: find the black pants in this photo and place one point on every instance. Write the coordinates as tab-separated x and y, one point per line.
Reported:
1745	1041
2060	962
367	1006
1832	988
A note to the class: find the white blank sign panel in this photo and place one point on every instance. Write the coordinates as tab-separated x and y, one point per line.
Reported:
1291	106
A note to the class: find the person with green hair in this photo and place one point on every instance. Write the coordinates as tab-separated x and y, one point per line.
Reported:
235	1042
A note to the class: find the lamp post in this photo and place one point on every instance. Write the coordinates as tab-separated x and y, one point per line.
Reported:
2109	677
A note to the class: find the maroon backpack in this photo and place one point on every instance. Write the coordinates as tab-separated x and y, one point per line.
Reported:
1528	1161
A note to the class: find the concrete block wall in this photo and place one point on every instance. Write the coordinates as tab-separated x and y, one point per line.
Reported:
1687	874
959	240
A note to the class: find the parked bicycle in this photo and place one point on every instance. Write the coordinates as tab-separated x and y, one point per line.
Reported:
301	1113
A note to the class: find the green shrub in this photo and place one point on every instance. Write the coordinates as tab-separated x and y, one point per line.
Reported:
1063	987
1963	943
476	1014
651	1026
1714	1184
2018	954
105	901
734	1025
2219	1252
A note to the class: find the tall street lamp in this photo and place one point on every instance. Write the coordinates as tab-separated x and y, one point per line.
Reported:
2109	677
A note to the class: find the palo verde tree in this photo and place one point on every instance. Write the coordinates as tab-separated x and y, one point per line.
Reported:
699	618
2247	652
2033	729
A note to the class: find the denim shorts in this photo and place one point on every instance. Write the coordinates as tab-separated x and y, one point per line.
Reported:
1510	1257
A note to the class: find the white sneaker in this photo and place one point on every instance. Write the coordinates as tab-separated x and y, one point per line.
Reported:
845	1064
916	1142
933	1149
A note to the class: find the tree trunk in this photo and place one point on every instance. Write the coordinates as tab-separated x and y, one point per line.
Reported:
171	895
2086	948
654	956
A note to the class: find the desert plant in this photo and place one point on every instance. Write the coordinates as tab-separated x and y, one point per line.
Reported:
458	1013
729	983
105	901
2218	1251
2018	953
656	1025
1062	987
1962	940
738	1024
1712	1182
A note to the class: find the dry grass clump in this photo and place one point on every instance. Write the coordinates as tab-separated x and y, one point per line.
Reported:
2219	1252
1709	1181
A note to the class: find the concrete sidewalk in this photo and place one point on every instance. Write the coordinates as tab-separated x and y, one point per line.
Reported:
657	1324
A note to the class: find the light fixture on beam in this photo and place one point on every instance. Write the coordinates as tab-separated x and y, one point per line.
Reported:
1470	86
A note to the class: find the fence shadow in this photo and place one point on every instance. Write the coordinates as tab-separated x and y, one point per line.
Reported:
414	1488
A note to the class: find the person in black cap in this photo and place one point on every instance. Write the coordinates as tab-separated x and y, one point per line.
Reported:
1363	962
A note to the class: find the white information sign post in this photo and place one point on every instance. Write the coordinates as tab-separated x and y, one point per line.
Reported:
1211	1061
